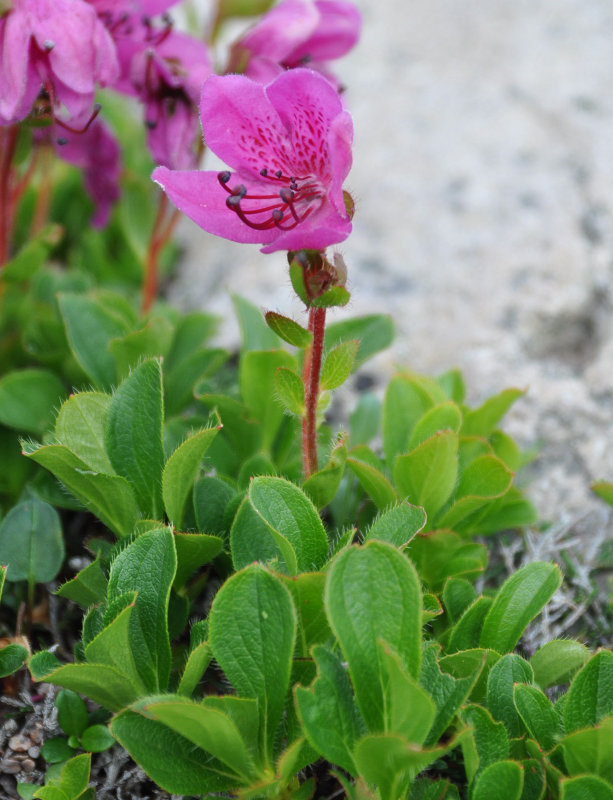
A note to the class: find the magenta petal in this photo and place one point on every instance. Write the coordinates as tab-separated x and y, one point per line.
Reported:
241	126
340	138
281	30
14	68
337	32
199	195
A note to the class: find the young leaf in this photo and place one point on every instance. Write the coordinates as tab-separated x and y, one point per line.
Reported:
373	595
442	417
398	525
520	598
337	365
181	470
466	633
589	751
374	333
134	435
290	331
193	551
427	475
252	632
147	566
256	334
372	480
257	385
482	421
290	390
87	587
96	739
511	669
31	542
29	399
112	647
71	712
285	508
74	776
321	486
590	696
251	539
538	714
483	479
328	712
409	709
80	426
307	590
407	398
585	787
441	554
12	657
488	742
557	661
109	497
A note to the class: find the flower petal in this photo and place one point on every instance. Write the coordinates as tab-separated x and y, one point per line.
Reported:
281	30
337	32
199	195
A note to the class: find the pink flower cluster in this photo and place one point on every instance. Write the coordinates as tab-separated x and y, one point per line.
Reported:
283	117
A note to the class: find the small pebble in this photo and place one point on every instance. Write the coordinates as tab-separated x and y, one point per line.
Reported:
10	766
10	726
20	743
34	752
27	765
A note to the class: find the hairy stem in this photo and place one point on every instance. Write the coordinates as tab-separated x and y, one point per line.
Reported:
156	242
312	369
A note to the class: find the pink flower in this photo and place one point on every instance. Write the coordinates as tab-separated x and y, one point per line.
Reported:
58	46
290	146
298	33
97	153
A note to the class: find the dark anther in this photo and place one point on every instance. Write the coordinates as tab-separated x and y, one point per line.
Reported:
224	177
277	215
151	124
287	195
233	201
264	172
278	174
49	45
239	191
61	140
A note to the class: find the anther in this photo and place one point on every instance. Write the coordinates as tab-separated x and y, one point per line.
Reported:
151	124
277	215
49	45
61	140
287	195
224	177
239	191
278	174
233	201
264	172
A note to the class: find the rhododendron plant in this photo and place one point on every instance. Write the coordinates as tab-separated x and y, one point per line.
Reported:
290	146
58	50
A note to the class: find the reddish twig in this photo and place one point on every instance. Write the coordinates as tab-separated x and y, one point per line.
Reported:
312	369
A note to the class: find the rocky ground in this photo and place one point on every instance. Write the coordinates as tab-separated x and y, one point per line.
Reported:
483	181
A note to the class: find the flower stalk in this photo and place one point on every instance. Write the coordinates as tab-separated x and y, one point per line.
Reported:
8	141
311	373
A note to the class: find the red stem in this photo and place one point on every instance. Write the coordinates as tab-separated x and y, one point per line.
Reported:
312	369
8	143
156	242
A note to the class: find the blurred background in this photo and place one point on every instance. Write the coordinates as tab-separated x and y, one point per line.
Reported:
483	181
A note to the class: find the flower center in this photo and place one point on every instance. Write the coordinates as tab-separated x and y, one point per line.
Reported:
290	204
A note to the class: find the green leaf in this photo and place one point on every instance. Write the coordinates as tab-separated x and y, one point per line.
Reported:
29	399
255	332
321	486
585	787
87	587
538	714
193	551
482	421
442	417
31	542
285	509
374	332
12	657
590	696
56	750
211	497
328	712
251	539
109	497
439	555
252	632
150	341
557	661
466	633
290	390
28	260
134	435
427	475
589	751
407	398
502	779
373	595
208	728
365	419
90	326
334	296
169	758
257	372
197	662
80	427
103	684
74	776
409	709
181	470
397	525
511	669
288	330
71	712
112	647
338	364
484	479
307	590
191	332
424	789
458	594
96	739
181	382
468	663
452	383
374	482
604	490
50	793
147	566
488	741
520	598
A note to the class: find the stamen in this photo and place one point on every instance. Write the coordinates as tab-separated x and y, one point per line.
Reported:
93	116
49	45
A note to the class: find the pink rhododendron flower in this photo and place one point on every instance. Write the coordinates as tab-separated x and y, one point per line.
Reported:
97	153
297	33
59	47
290	145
